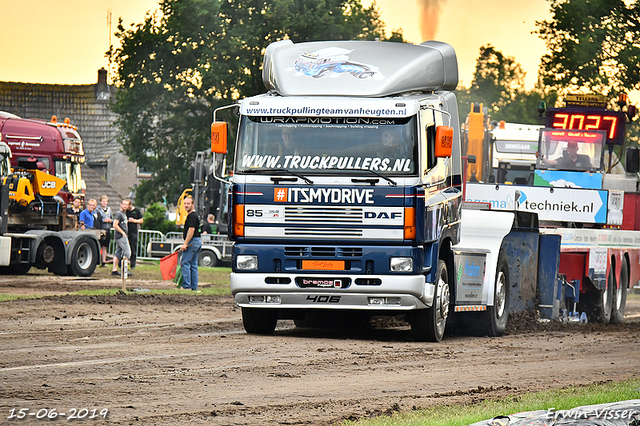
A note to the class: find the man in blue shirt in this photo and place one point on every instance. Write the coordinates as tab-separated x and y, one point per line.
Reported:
87	216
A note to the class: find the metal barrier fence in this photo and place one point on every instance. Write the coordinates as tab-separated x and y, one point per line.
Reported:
144	237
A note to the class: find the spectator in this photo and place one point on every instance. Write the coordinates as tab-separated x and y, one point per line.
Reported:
210	226
190	247
134	219
106	218
123	250
88	215
76	208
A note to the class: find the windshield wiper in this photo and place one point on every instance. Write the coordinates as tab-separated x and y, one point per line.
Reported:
280	171
388	179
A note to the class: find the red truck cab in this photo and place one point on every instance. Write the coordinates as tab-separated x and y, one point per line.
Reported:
58	146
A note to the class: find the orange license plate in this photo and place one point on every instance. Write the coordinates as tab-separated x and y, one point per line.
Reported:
323	265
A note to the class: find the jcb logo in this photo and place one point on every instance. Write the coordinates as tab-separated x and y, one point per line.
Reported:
48	184
324	299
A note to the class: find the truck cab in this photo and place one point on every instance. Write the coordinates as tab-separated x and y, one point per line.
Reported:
57	147
346	194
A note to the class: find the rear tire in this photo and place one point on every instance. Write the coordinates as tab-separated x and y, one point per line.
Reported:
428	325
259	321
599	303
496	317
84	258
620	296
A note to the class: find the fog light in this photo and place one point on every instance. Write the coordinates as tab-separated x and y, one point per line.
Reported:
265	299
401	264
247	262
387	301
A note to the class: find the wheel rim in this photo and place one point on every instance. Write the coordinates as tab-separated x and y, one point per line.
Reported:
207	260
501	300
85	256
442	306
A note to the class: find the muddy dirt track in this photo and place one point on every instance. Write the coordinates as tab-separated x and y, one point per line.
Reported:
166	360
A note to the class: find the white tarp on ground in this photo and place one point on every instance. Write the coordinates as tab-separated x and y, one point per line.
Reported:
623	413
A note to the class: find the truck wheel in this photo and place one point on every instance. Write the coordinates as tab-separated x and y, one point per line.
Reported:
428	325
598	303
207	258
496	316
259	321
84	258
17	269
620	295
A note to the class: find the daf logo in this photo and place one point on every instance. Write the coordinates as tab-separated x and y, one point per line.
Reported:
382	215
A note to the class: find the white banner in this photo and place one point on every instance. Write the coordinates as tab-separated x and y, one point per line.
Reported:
551	204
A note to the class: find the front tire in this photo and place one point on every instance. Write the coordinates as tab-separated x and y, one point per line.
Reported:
207	258
84	258
259	321
16	269
428	325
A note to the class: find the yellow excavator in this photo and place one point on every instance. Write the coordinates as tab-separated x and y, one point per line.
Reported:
30	187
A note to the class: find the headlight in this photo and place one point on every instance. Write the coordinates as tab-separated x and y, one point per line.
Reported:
247	262
401	264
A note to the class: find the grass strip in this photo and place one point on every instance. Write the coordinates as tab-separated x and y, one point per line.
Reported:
558	399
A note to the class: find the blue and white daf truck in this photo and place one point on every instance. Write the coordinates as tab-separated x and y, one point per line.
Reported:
347	196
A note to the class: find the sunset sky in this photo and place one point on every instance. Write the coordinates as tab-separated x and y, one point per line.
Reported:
64	41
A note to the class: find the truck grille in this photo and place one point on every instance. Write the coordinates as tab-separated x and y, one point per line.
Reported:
325	214
323	232
323	252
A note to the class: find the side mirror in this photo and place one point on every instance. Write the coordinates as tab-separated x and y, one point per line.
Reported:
444	141
219	137
632	160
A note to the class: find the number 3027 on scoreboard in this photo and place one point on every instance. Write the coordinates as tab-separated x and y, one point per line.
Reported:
612	122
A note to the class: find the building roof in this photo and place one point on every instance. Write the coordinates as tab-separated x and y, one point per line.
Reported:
97	187
86	105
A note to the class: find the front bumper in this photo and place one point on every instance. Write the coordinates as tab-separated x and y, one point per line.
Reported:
393	293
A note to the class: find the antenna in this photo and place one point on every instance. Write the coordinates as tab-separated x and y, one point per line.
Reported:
109	47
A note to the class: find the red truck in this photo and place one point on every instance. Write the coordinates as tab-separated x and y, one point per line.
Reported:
58	146
34	227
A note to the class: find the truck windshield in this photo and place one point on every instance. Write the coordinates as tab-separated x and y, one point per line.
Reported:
71	173
5	165
571	150
327	145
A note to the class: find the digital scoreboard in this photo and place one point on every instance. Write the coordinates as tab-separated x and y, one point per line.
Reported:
612	122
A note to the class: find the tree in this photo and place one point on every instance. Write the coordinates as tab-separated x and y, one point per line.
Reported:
177	66
498	83
155	218
497	80
593	45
